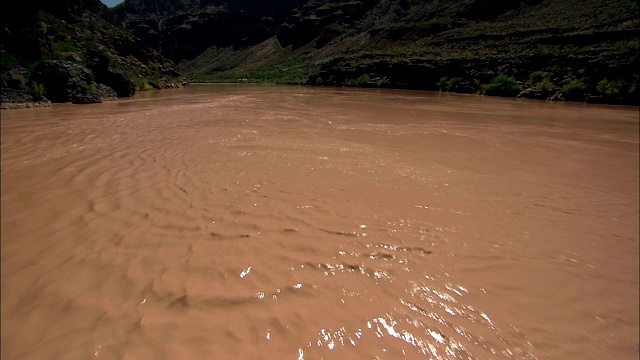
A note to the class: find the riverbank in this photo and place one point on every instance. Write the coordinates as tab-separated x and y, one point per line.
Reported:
539	87
20	100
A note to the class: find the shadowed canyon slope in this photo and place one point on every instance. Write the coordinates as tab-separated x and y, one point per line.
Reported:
77	51
579	49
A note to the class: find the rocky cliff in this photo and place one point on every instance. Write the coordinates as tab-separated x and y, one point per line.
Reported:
75	50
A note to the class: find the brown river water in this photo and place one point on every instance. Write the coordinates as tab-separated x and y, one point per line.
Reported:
262	222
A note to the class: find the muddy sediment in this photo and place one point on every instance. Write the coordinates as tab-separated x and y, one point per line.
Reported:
257	222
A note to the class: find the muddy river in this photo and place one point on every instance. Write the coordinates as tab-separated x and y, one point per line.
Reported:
262	222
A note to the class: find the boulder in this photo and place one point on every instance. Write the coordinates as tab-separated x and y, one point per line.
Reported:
598	99
105	92
88	98
535	94
62	79
96	93
16	99
118	81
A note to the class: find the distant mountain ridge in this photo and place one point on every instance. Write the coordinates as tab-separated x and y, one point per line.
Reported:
184	29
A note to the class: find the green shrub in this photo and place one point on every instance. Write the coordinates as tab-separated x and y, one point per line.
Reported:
383	83
63	46
537	76
443	83
573	91
38	91
349	82
7	60
141	83
545	85
88	88
363	80
477	86
56	56
632	45
502	85
446	84
609	87
633	89
453	83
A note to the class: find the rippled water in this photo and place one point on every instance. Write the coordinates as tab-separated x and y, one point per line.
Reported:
254	222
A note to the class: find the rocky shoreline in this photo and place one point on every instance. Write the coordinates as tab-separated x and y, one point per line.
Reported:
79	53
60	81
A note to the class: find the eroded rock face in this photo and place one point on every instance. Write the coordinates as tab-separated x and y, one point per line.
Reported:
119	82
62	79
96	93
96	49
88	98
176	28
65	81
106	92
19	99
22	33
487	9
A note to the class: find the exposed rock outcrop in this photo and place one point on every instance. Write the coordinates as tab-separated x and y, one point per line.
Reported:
19	99
65	81
62	79
80	52
118	81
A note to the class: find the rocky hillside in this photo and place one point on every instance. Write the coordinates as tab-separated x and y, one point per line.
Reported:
75	50
559	49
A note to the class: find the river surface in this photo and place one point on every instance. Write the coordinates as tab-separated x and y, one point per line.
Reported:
261	222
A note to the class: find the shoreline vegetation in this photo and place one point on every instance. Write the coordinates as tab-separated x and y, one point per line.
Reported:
496	88
538	86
